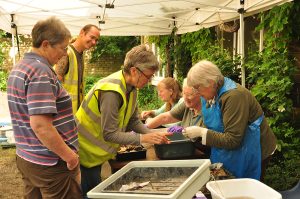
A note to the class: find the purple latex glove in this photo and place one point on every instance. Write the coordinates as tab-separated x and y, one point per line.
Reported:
175	129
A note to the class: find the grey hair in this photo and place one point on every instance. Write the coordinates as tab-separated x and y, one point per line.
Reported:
140	57
202	73
51	29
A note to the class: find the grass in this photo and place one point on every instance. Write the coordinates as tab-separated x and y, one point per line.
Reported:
11	184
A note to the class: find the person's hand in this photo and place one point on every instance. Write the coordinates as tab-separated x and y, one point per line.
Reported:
146	114
175	129
194	131
73	161
155	138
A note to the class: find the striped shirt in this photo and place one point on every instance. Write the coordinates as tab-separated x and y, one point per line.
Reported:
33	89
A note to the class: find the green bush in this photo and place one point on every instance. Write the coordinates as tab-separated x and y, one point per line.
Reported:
271	79
3	80
90	81
148	98
3	72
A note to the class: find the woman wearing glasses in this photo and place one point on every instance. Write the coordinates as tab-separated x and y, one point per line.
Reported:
109	112
169	91
237	130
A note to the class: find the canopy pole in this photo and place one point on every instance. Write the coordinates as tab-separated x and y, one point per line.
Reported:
13	48
13	33
234	45
261	38
242	41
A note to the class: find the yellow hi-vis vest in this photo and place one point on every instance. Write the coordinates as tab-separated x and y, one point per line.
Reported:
93	149
70	82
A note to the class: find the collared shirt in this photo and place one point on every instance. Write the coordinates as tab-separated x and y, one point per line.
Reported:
186	116
33	89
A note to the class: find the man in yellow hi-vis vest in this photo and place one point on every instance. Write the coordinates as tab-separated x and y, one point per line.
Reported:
70	68
109	113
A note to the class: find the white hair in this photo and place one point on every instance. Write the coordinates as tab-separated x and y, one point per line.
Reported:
203	73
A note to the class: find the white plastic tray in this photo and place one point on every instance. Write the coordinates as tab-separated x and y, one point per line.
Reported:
186	190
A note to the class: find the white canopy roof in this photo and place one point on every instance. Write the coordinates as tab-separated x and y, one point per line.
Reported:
128	17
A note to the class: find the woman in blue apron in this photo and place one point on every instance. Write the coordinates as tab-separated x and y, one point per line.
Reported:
237	131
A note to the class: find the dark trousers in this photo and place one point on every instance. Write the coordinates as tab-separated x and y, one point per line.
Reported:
49	182
90	178
264	165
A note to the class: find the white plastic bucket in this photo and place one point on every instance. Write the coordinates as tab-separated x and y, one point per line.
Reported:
243	188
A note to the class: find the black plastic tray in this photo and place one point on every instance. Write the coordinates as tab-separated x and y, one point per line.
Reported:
180	147
131	155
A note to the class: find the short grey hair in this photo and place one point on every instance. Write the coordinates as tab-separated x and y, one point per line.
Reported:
51	29
202	73
140	57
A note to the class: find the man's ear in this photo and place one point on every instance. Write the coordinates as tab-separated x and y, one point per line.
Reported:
45	44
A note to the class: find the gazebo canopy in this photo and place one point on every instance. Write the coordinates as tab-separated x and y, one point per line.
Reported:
129	17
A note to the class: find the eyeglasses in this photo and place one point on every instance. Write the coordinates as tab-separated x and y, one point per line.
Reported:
147	77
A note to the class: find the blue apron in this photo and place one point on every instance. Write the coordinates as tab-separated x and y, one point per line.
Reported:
245	161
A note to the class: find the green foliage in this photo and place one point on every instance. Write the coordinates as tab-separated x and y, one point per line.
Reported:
90	81
148	98
192	47
2	45
271	79
113	46
167	46
3	72
3	80
284	174
204	45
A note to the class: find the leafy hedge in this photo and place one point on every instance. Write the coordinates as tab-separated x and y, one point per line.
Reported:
147	96
3	72
3	80
271	80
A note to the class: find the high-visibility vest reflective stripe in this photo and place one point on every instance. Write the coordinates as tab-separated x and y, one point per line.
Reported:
94	150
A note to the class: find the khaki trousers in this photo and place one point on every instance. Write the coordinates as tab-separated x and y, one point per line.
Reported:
49	182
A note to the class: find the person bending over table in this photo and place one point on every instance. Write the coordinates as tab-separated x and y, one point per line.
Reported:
237	130
109	111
